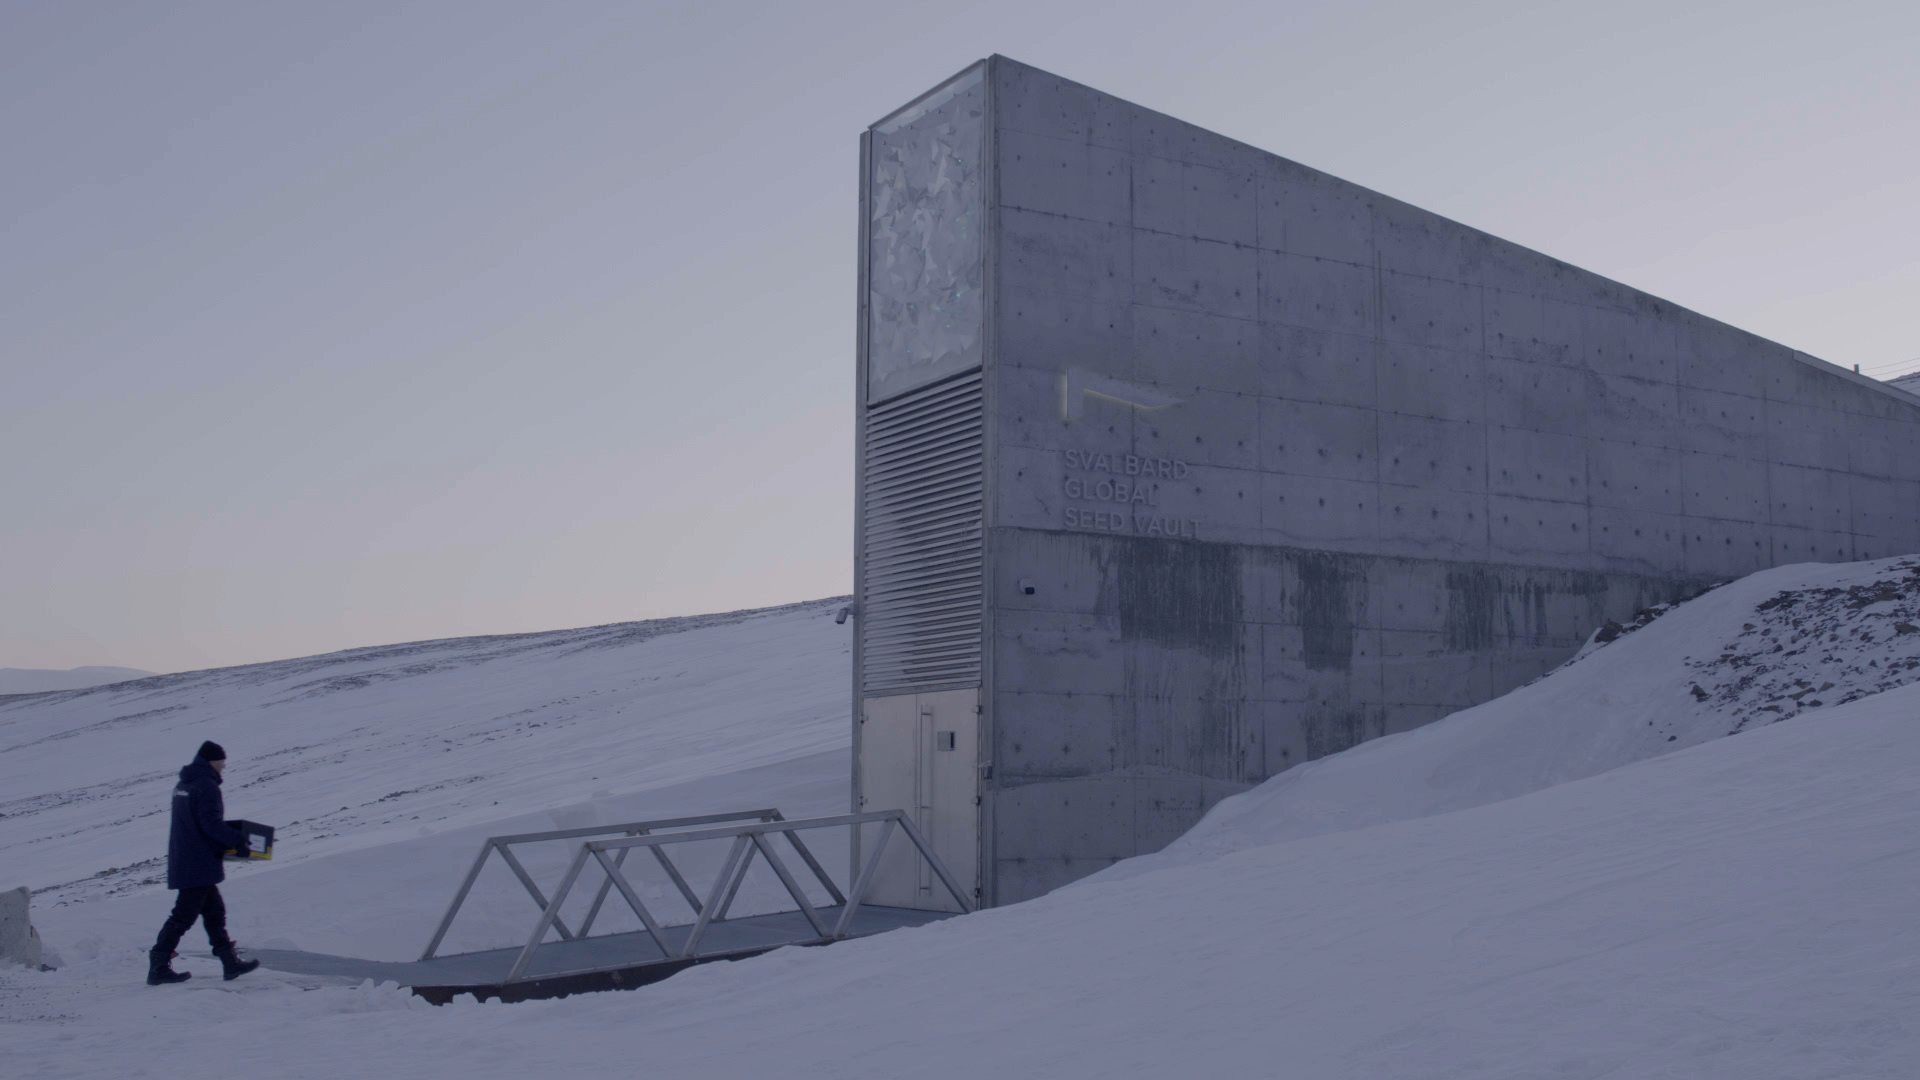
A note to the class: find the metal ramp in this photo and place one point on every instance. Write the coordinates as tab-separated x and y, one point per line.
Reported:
580	961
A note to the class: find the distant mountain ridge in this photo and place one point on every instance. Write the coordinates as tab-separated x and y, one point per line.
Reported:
15	680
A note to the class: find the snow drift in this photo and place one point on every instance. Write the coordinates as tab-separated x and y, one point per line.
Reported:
1772	646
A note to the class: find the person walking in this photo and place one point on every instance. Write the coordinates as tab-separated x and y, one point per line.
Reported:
195	866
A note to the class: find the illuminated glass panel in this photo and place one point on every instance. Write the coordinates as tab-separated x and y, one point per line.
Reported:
925	203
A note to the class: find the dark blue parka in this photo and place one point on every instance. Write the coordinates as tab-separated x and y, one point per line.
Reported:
200	835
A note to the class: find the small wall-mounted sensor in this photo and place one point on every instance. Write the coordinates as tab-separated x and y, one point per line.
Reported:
841	615
1026	586
943	740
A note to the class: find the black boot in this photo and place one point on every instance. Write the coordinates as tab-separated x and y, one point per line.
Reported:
231	966
160	969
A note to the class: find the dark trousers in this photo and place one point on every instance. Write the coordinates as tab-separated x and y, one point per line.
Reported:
200	902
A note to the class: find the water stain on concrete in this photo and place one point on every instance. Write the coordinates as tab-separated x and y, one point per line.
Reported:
1329	605
1187	594
1473	595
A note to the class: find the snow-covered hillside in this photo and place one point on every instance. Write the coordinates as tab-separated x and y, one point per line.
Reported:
375	746
1586	878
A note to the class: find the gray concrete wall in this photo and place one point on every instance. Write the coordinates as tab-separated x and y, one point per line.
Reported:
1408	467
19	941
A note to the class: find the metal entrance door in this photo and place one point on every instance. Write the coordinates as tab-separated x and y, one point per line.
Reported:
920	753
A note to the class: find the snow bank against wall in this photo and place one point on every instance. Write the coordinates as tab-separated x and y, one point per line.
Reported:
1779	644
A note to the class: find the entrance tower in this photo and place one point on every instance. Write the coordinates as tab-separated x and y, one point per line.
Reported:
1181	464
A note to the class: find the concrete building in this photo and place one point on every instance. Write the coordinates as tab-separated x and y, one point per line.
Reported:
1182	463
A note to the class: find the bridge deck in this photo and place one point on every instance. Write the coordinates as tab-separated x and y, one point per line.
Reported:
612	961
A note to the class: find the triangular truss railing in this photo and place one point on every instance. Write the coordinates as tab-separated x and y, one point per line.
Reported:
751	837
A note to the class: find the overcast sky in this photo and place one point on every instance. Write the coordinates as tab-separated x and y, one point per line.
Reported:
327	325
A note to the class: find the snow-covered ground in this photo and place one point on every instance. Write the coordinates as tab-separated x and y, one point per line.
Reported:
367	748
1585	878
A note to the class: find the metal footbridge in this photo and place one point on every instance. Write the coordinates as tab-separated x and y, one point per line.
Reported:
580	960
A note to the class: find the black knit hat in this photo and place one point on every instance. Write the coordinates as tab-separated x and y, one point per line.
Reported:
210	751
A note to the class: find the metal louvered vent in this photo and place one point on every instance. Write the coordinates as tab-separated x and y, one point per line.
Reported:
920	588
